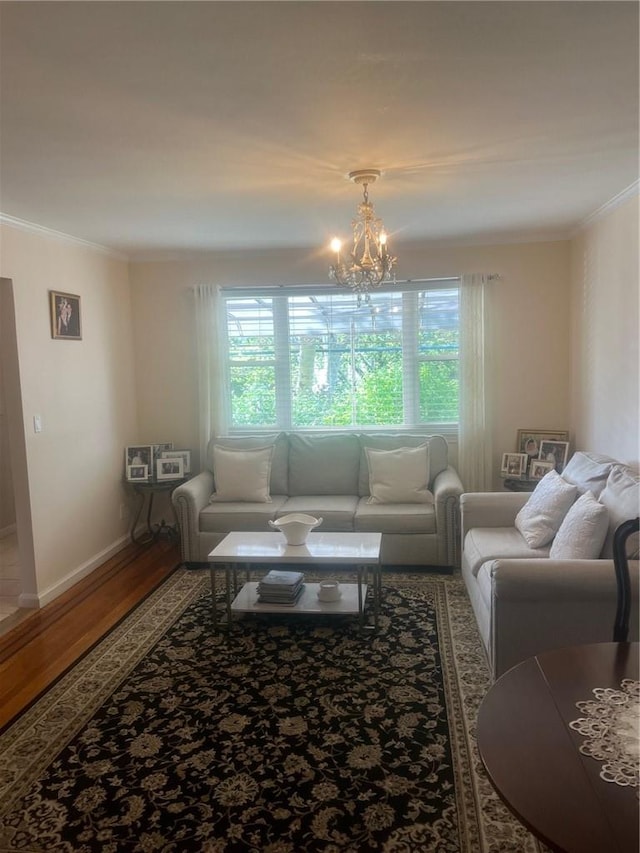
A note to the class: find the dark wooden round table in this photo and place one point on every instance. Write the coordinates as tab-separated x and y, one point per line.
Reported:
533	757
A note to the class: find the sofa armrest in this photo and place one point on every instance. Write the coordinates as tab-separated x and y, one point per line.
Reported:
490	509
447	488
189	499
541	604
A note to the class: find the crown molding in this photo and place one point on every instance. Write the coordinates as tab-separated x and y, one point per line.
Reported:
623	196
42	231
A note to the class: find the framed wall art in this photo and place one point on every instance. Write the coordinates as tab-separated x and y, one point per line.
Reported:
64	309
555	452
529	440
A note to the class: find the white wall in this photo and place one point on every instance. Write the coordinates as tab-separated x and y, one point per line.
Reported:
606	325
84	393
529	341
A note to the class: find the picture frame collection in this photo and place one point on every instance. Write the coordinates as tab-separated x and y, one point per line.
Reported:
156	462
537	452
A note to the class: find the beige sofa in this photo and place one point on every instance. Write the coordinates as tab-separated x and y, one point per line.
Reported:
327	475
524	601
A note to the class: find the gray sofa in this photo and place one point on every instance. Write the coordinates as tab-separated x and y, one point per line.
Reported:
327	475
524	602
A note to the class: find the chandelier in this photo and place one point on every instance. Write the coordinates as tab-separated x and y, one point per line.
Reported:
369	263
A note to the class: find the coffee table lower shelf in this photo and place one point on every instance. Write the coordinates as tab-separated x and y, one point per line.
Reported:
347	605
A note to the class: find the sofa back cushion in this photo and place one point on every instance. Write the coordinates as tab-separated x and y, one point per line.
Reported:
621	496
278	484
323	464
588	471
438	453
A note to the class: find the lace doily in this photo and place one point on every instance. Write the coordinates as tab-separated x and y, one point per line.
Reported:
611	726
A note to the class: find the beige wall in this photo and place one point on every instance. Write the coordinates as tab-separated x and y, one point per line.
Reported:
84	393
606	325
7	503
529	339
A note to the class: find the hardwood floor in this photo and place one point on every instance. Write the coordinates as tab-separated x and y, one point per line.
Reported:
42	646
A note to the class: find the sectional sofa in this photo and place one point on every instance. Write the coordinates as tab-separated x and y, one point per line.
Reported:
397	484
530	595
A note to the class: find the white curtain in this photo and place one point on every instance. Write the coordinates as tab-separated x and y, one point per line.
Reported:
211	416
474	431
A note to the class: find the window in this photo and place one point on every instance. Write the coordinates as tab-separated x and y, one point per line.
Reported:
314	358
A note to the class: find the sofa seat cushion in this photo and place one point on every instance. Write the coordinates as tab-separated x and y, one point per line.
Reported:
494	543
395	518
484	578
238	515
336	511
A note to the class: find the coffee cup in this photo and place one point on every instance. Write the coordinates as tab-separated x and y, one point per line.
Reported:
329	591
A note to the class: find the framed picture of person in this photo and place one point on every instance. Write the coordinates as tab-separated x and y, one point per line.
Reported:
65	316
555	452
169	469
538	468
137	472
139	454
528	440
159	449
185	455
514	464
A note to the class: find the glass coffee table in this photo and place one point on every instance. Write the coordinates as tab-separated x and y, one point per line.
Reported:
322	551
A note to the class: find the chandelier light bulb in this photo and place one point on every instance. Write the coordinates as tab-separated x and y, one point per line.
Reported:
336	245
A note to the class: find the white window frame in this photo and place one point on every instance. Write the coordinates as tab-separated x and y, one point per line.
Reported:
281	363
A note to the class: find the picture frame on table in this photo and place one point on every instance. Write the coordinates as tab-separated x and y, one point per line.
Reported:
185	455
539	467
169	469
528	440
66	322
556	452
514	464
137	473
138	454
159	449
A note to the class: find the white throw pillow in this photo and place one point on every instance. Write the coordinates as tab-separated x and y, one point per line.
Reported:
242	475
582	533
621	497
540	518
399	476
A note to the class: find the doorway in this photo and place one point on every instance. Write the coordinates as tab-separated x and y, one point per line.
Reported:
17	564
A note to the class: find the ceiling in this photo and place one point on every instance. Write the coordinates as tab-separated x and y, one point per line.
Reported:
162	127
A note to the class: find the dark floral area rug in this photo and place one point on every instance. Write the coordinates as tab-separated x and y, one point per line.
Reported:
297	734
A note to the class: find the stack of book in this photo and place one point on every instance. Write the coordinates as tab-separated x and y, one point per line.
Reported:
279	587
